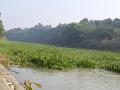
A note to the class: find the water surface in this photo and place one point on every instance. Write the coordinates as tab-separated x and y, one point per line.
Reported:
78	79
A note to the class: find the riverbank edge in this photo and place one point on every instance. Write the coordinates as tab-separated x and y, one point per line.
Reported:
8	81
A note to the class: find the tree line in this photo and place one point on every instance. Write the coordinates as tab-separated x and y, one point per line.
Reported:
91	34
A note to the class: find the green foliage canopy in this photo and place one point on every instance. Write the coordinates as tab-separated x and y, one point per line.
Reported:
93	34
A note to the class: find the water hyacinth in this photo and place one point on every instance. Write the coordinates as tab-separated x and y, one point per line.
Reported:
51	57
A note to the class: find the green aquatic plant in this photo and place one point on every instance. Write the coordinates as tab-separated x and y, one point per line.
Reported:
28	85
45	56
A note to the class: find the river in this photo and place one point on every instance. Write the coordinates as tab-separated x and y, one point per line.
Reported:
78	79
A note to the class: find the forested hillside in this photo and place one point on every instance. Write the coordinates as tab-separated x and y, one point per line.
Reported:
93	34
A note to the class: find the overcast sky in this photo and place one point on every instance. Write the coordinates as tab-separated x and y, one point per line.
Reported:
26	13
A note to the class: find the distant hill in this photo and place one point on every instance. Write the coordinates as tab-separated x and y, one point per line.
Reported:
93	34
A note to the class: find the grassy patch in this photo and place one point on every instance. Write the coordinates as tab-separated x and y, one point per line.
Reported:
46	56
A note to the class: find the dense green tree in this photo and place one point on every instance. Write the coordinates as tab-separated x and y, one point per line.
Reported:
1	28
93	34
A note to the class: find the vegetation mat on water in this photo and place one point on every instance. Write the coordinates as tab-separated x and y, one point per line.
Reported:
45	56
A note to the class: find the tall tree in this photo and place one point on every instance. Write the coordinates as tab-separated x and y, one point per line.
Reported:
1	28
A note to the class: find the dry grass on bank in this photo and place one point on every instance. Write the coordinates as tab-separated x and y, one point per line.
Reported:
3	60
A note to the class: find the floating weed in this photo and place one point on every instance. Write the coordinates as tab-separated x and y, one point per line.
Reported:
59	58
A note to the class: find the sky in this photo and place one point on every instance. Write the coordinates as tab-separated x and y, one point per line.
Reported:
27	13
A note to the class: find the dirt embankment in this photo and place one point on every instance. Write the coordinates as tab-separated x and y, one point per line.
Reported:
7	81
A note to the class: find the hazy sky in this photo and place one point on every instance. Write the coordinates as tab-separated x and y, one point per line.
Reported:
26	13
